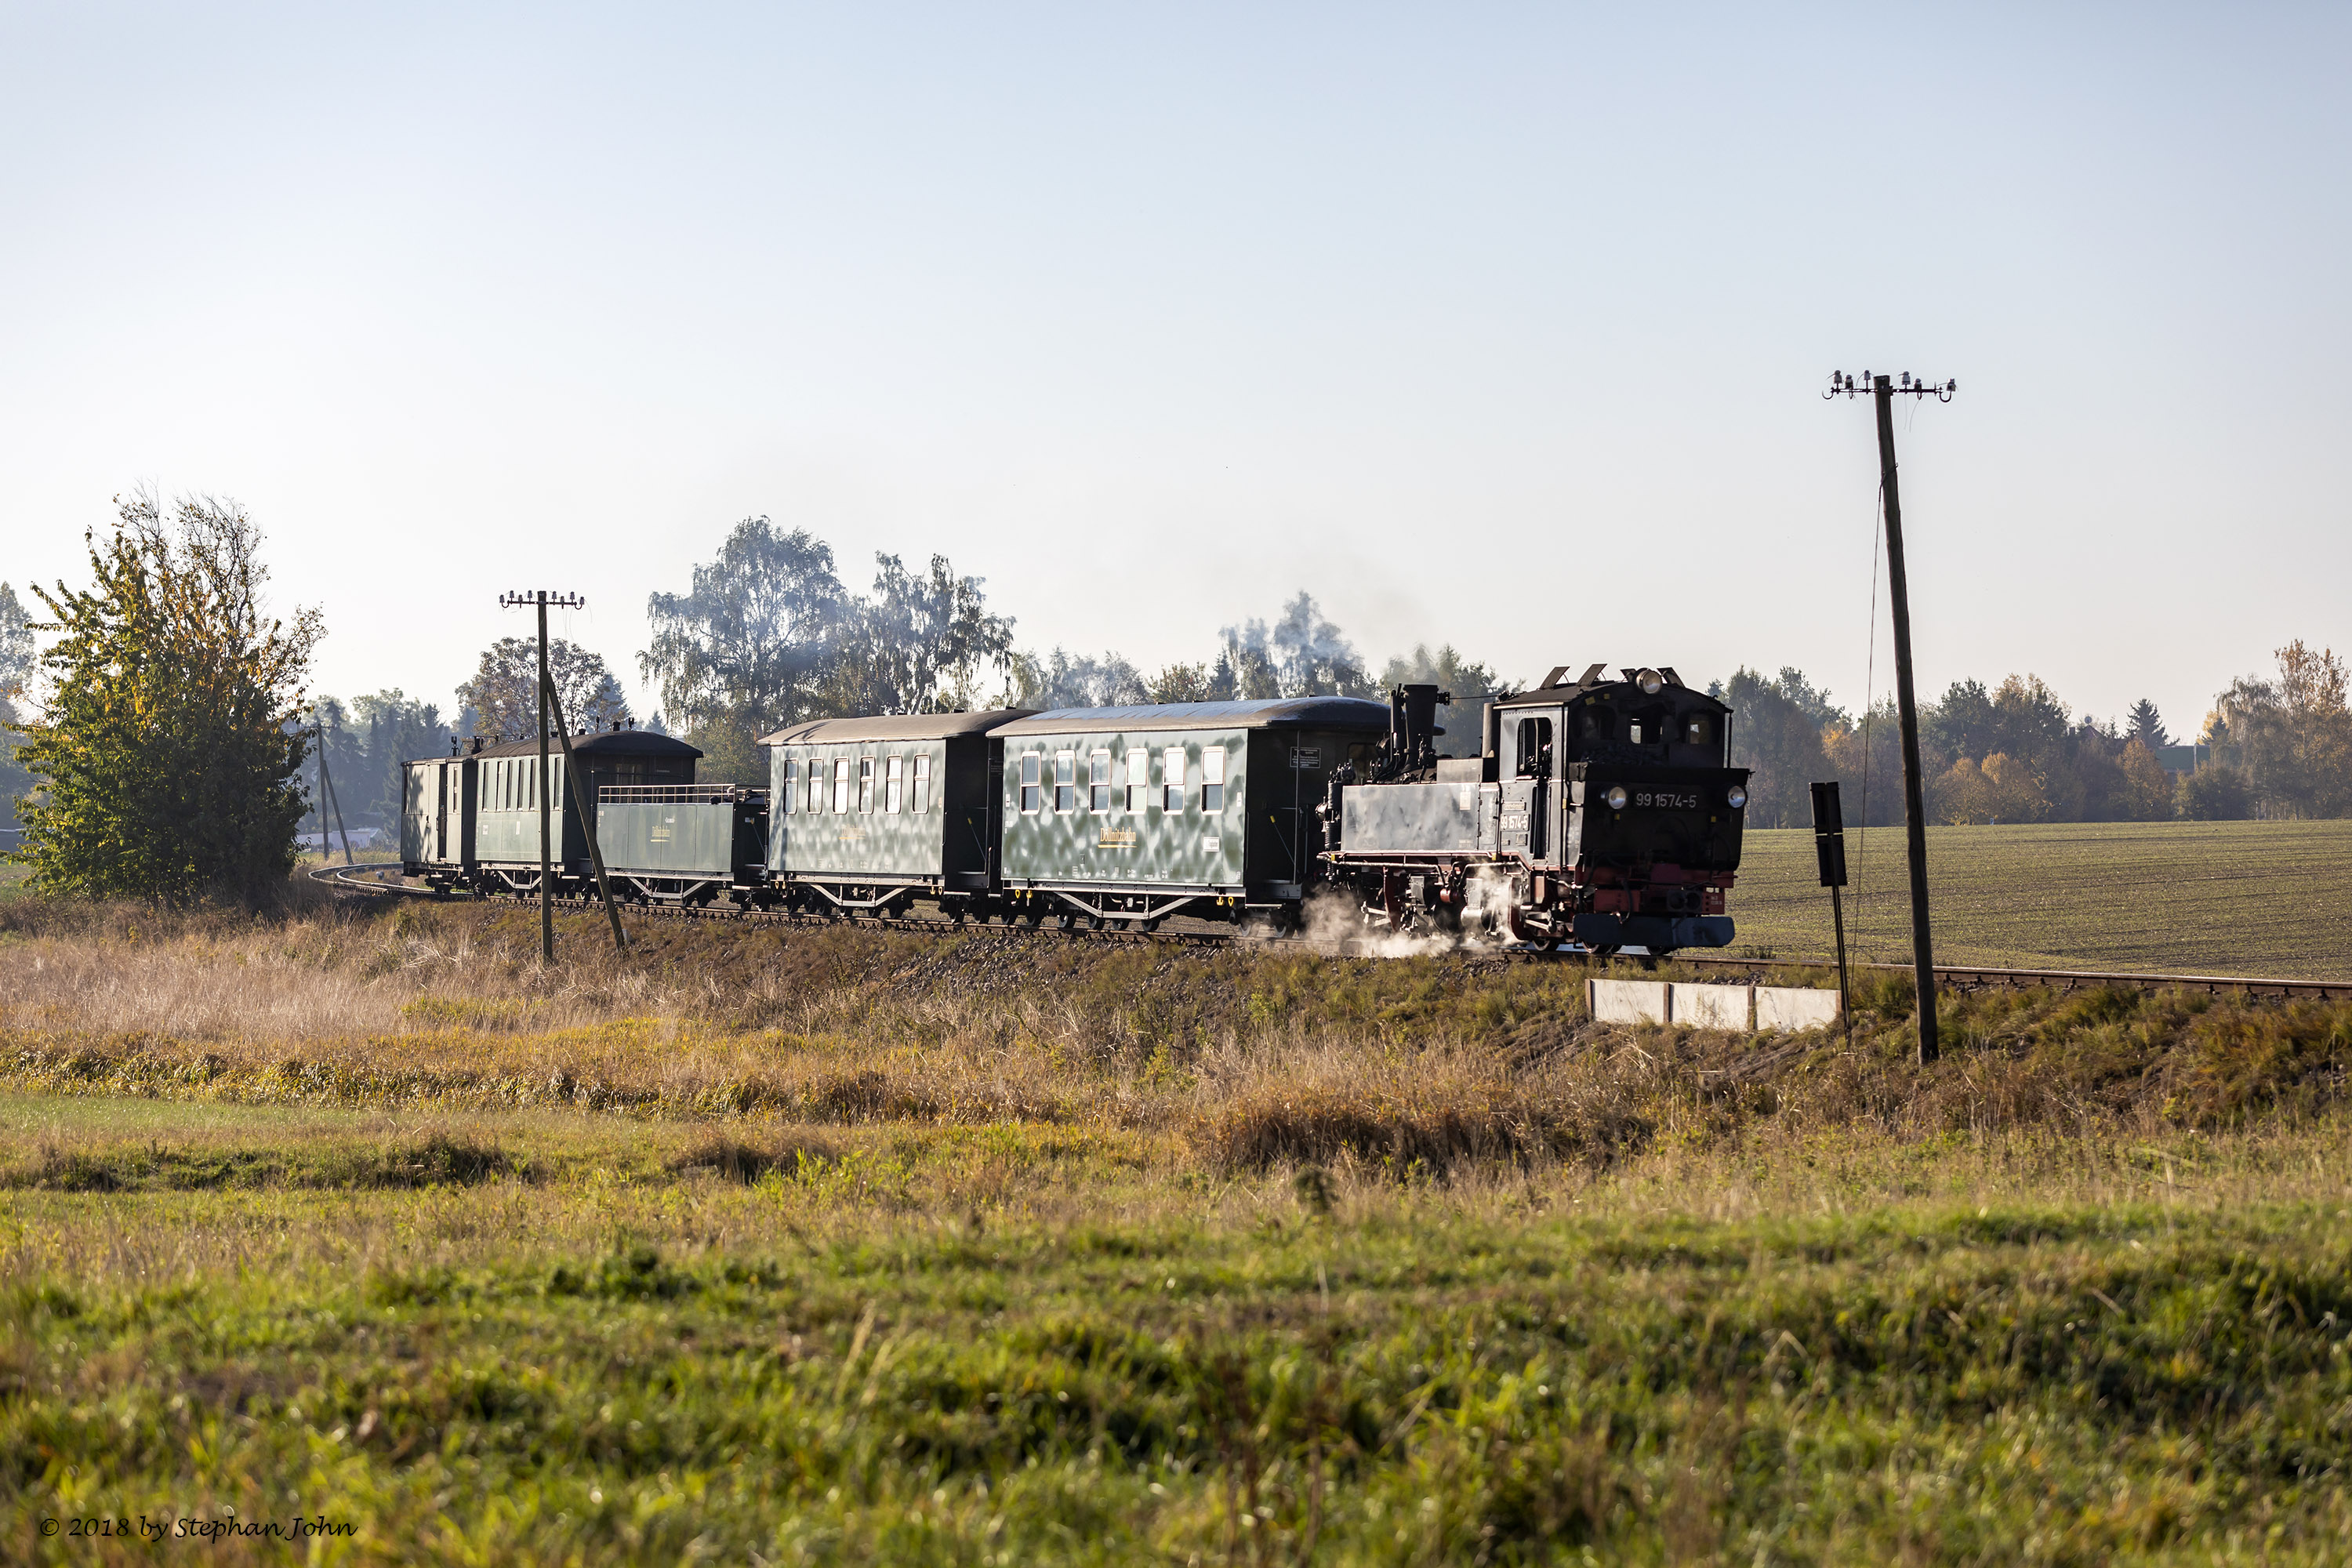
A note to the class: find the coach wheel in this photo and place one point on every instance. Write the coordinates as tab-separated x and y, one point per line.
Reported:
1149	924
1032	919
1066	921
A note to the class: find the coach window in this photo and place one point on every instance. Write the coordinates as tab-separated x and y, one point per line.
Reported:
841	786
1065	781
1138	778
1172	779
1031	790
1213	778
894	785
922	801
814	785
1535	749
1098	783
865	784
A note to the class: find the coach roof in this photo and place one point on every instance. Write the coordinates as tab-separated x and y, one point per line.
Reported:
598	745
891	727
1271	714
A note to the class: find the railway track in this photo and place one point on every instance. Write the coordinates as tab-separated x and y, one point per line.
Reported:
373	879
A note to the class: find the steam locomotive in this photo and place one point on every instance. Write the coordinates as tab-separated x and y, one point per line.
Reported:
1598	814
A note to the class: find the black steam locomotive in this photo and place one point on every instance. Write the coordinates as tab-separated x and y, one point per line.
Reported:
1599	814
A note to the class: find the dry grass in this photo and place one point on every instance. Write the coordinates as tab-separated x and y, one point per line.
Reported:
1244	1060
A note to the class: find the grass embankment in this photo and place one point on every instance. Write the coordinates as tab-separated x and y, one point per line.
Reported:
2171	898
856	1247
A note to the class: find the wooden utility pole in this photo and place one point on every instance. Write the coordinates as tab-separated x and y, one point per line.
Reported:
1882	390
542	598
327	796
576	794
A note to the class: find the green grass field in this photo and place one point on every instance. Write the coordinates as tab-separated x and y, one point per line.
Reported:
2176	898
844	1245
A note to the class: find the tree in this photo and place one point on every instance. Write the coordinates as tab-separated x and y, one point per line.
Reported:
2218	793
1775	735
2146	725
2291	737
918	645
504	692
1244	670
398	730
1061	679
1447	669
169	752
1180	683
16	659
749	646
1866	758
2147	788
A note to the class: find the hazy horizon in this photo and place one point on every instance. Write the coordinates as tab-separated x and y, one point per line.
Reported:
1506	328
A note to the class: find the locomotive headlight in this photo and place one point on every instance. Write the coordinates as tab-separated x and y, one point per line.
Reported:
1615	797
1651	682
1735	797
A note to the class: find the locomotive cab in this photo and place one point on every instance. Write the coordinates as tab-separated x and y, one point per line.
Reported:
1604	814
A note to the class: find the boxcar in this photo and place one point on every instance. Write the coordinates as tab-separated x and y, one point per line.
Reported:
436	819
865	814
1130	815
506	795
682	843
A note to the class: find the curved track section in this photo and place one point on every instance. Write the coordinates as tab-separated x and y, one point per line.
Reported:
382	880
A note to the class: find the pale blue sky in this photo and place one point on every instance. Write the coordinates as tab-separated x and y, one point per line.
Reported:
1498	324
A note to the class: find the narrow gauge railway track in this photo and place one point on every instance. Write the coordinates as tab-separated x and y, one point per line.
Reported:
369	880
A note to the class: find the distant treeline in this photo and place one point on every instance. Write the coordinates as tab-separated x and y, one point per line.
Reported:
2277	747
767	635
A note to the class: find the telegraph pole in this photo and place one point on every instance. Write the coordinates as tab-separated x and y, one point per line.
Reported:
1882	390
542	598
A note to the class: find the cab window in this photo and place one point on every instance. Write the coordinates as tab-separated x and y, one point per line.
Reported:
1535	749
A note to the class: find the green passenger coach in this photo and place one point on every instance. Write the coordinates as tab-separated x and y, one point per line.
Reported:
505	792
865	814
1130	815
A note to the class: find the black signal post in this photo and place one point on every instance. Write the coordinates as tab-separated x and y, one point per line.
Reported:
1882	390
1828	848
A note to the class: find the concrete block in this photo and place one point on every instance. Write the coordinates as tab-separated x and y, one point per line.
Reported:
1713	1006
1628	1001
1788	1008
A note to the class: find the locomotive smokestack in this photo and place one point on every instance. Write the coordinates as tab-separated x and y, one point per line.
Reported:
1413	723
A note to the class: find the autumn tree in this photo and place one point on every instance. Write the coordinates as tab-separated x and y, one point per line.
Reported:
167	756
1777	732
2291	735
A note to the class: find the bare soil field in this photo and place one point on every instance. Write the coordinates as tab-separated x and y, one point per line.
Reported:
2173	898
